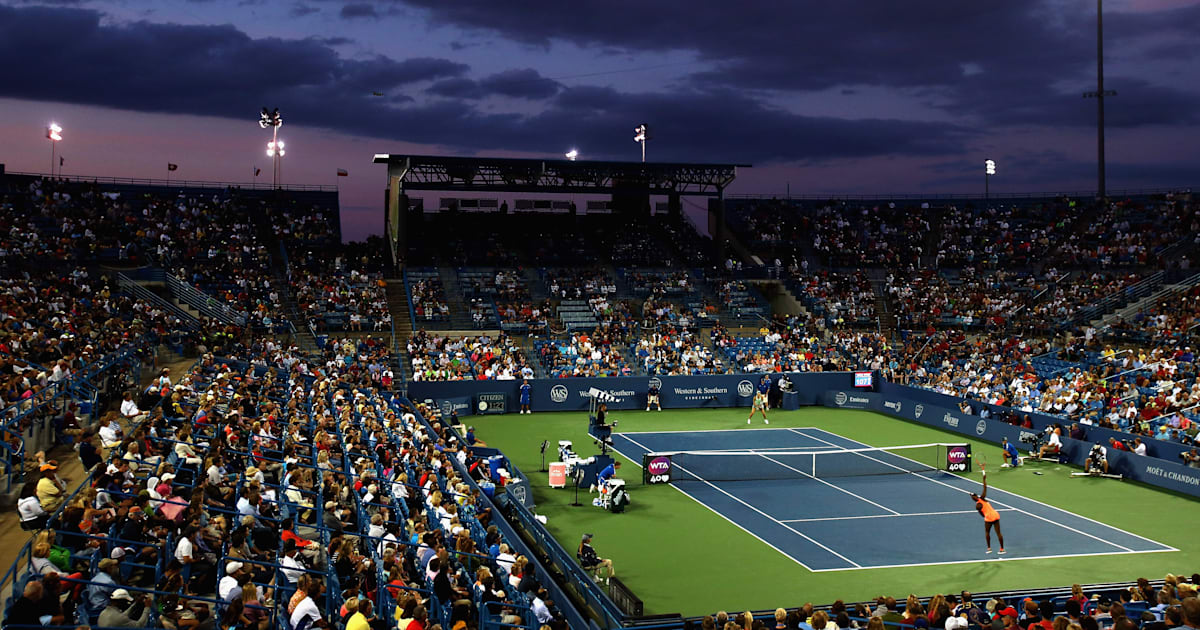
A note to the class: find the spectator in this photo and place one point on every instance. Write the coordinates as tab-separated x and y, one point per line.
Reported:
51	491
124	611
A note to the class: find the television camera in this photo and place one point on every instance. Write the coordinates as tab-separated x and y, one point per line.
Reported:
1096	465
1036	440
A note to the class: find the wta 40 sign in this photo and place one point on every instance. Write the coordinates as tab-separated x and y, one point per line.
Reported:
657	469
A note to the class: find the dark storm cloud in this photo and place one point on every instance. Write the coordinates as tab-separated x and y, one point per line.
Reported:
359	10
214	70
1020	53
768	44
526	84
219	70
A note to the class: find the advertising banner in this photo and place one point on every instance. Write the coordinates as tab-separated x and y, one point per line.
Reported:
459	404
1155	471
675	392
491	402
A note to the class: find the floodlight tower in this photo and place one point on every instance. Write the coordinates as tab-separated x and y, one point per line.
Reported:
642	132
54	133
989	169
272	119
1099	94
572	154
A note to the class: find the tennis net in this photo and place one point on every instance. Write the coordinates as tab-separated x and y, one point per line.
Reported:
766	464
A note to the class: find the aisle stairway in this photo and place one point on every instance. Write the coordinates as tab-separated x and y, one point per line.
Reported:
397	301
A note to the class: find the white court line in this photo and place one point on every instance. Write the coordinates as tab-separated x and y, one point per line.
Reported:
749	451
1006	558
1042	518
710	509
856	496
854	518
768	516
712	430
1013	494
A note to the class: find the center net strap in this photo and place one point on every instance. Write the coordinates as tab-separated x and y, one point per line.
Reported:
767	464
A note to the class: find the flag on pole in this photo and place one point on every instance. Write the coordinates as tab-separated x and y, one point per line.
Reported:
342	173
61	161
257	171
172	167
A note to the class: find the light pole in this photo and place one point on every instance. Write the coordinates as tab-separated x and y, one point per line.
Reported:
643	133
572	154
272	119
989	169
54	133
1099	95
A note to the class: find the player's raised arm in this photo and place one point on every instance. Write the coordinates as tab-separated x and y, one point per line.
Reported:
984	495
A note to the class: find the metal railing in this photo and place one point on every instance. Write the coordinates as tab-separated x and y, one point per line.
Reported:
142	293
995	197
1119	298
206	304
177	183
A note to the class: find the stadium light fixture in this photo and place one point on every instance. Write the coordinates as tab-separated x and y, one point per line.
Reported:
572	154
273	119
989	169
275	151
642	133
54	134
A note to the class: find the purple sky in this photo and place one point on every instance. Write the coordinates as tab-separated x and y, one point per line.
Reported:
856	97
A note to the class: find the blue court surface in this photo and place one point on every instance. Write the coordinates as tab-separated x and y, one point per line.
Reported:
875	521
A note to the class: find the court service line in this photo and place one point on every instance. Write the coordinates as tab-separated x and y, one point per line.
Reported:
814	478
1008	558
1013	494
710	509
854	518
764	514
1026	512
710	430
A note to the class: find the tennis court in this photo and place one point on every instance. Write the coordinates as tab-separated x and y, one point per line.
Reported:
851	516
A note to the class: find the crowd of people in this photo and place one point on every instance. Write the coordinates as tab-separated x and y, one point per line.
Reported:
1174	605
579	283
271	488
840	299
583	354
342	300
452	358
428	298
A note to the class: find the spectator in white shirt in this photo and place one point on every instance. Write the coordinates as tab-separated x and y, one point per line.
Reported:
306	613
540	608
111	434
292	568
129	409
1139	447
228	588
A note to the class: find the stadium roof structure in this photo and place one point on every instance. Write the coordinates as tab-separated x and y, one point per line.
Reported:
482	174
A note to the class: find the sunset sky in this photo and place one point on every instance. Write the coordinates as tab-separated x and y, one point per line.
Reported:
828	97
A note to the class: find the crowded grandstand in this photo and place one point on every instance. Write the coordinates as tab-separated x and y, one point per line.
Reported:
238	394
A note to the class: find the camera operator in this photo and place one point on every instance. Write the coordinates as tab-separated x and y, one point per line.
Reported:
1190	458
1053	442
1097	460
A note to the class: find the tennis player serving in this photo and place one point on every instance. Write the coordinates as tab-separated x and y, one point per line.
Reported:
991	518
